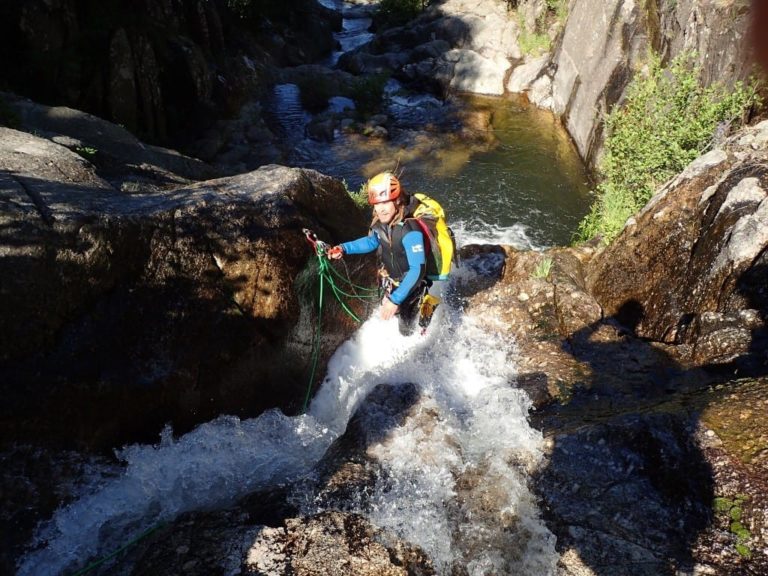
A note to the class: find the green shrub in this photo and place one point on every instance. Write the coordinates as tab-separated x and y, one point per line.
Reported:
360	197
543	268
532	42
537	41
667	121
314	93
368	93
398	12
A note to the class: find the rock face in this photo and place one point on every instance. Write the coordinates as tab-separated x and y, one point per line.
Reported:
603	43
121	311
691	268
155	64
645	433
332	543
453	45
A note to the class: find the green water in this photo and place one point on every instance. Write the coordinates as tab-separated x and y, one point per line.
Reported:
528	188
531	183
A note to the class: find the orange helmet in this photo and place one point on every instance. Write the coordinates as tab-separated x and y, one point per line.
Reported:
383	188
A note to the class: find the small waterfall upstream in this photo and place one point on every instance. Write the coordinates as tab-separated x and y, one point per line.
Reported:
465	376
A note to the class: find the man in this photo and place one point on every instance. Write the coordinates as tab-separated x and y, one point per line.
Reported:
400	243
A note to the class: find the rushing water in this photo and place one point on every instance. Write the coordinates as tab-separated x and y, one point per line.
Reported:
463	372
459	489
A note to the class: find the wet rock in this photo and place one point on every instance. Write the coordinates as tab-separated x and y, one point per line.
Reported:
175	305
267	533
327	543
538	313
322	128
333	543
699	246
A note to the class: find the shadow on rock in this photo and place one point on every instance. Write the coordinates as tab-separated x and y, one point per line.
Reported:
634	467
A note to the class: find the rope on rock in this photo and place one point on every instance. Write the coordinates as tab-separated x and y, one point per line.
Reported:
329	275
120	550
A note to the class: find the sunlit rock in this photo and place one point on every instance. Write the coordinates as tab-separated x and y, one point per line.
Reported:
176	304
691	268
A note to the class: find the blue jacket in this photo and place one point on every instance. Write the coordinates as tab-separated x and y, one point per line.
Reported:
401	251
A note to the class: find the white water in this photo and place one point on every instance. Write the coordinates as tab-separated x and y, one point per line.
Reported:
478	432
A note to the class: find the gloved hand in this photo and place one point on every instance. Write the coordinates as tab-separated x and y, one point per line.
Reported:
335	253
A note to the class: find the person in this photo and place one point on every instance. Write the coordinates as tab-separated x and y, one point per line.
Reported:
401	246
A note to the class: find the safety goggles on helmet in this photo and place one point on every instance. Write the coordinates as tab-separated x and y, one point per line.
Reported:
383	187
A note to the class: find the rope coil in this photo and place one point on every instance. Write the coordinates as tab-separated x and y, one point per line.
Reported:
329	275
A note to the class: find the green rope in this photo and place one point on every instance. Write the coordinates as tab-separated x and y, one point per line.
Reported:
316	345
350	283
120	550
326	272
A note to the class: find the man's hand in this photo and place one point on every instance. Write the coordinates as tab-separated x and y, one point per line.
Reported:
388	309
335	253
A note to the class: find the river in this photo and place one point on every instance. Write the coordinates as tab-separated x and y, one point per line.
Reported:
529	189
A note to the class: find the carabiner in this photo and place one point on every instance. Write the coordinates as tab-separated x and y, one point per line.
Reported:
319	246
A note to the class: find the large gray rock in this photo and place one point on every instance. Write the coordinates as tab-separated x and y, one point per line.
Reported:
121	312
111	148
593	65
466	47
691	268
604	43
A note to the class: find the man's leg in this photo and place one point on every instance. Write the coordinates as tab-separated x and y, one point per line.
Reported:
409	310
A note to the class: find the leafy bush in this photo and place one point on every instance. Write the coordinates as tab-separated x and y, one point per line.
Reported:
667	121
360	197
314	93
398	12
368	93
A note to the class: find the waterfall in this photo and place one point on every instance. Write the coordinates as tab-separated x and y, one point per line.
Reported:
464	372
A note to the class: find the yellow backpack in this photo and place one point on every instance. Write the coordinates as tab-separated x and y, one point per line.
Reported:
441	244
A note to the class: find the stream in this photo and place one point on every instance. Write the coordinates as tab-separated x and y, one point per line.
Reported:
528	189
462	372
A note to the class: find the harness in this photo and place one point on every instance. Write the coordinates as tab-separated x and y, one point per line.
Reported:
391	252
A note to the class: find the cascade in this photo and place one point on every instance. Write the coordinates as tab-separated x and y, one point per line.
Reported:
464	375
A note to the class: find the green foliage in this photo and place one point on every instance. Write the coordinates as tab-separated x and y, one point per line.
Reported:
543	268
722	505
537	41
368	93
532	42
559	8
86	151
314	93
360	197
667	121
398	12
744	551
732	509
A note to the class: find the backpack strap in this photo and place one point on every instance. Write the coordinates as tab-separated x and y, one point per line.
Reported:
425	232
